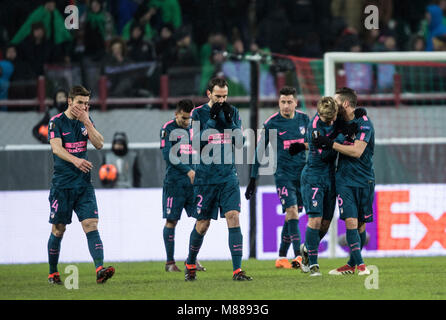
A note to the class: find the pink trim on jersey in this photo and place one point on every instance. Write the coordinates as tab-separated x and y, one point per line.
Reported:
266	121
196	108
362	136
168	122
191	133
316	119
51	135
163	143
56	116
365	118
300	111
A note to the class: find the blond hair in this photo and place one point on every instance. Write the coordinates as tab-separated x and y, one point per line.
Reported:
327	108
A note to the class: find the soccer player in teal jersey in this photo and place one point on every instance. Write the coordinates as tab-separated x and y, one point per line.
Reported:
355	178
216	185
318	184
178	193
290	126
71	188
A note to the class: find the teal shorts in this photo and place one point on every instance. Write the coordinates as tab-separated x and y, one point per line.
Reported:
319	199
63	201
356	202
175	199
210	198
289	193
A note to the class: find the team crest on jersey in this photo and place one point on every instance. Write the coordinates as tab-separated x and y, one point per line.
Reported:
52	214
84	131
314	203
198	210
302	130
168	210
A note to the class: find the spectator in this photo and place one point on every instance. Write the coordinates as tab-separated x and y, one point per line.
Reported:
6	70
138	48
351	11
54	25
436	29
40	130
125	161
165	45
22	70
143	16
97	28
417	43
36	49
186	53
170	11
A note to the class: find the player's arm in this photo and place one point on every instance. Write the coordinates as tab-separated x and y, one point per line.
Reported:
356	150
170	156
93	135
57	148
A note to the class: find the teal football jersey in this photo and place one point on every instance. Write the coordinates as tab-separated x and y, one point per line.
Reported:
177	151
74	137
288	131
358	172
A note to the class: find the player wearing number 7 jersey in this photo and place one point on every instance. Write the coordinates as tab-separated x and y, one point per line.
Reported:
178	193
318	184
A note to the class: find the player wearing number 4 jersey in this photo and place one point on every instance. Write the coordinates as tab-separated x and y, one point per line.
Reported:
71	188
290	126
178	193
355	178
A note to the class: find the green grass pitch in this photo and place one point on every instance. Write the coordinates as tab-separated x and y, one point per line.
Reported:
397	278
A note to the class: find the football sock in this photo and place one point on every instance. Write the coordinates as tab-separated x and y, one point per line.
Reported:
354	243
53	252
195	242
312	244
293	230
362	236
169	243
236	247
286	242
95	247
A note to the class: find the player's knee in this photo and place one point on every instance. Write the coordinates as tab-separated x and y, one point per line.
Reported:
90	225
292	213
202	226
58	230
232	218
351	223
314	223
171	223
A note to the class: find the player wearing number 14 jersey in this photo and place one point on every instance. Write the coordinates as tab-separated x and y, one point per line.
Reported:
290	126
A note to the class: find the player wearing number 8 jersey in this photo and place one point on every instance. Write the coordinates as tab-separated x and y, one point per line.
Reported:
355	178
290	126
317	184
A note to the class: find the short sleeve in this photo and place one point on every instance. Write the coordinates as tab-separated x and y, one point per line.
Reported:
53	129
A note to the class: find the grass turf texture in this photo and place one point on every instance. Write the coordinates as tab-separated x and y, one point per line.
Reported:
399	278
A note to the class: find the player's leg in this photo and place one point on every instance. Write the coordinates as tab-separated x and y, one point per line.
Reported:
173	203
292	216
230	209
57	232
60	216
87	211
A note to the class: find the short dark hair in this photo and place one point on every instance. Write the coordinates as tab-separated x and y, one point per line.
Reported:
78	91
348	94
185	105
287	91
219	82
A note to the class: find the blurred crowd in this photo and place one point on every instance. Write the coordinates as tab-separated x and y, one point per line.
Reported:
162	35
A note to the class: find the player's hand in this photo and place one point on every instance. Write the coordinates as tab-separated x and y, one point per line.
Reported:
350	129
250	189
228	111
191	175
296	148
83	165
81	112
323	142
360	112
215	110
